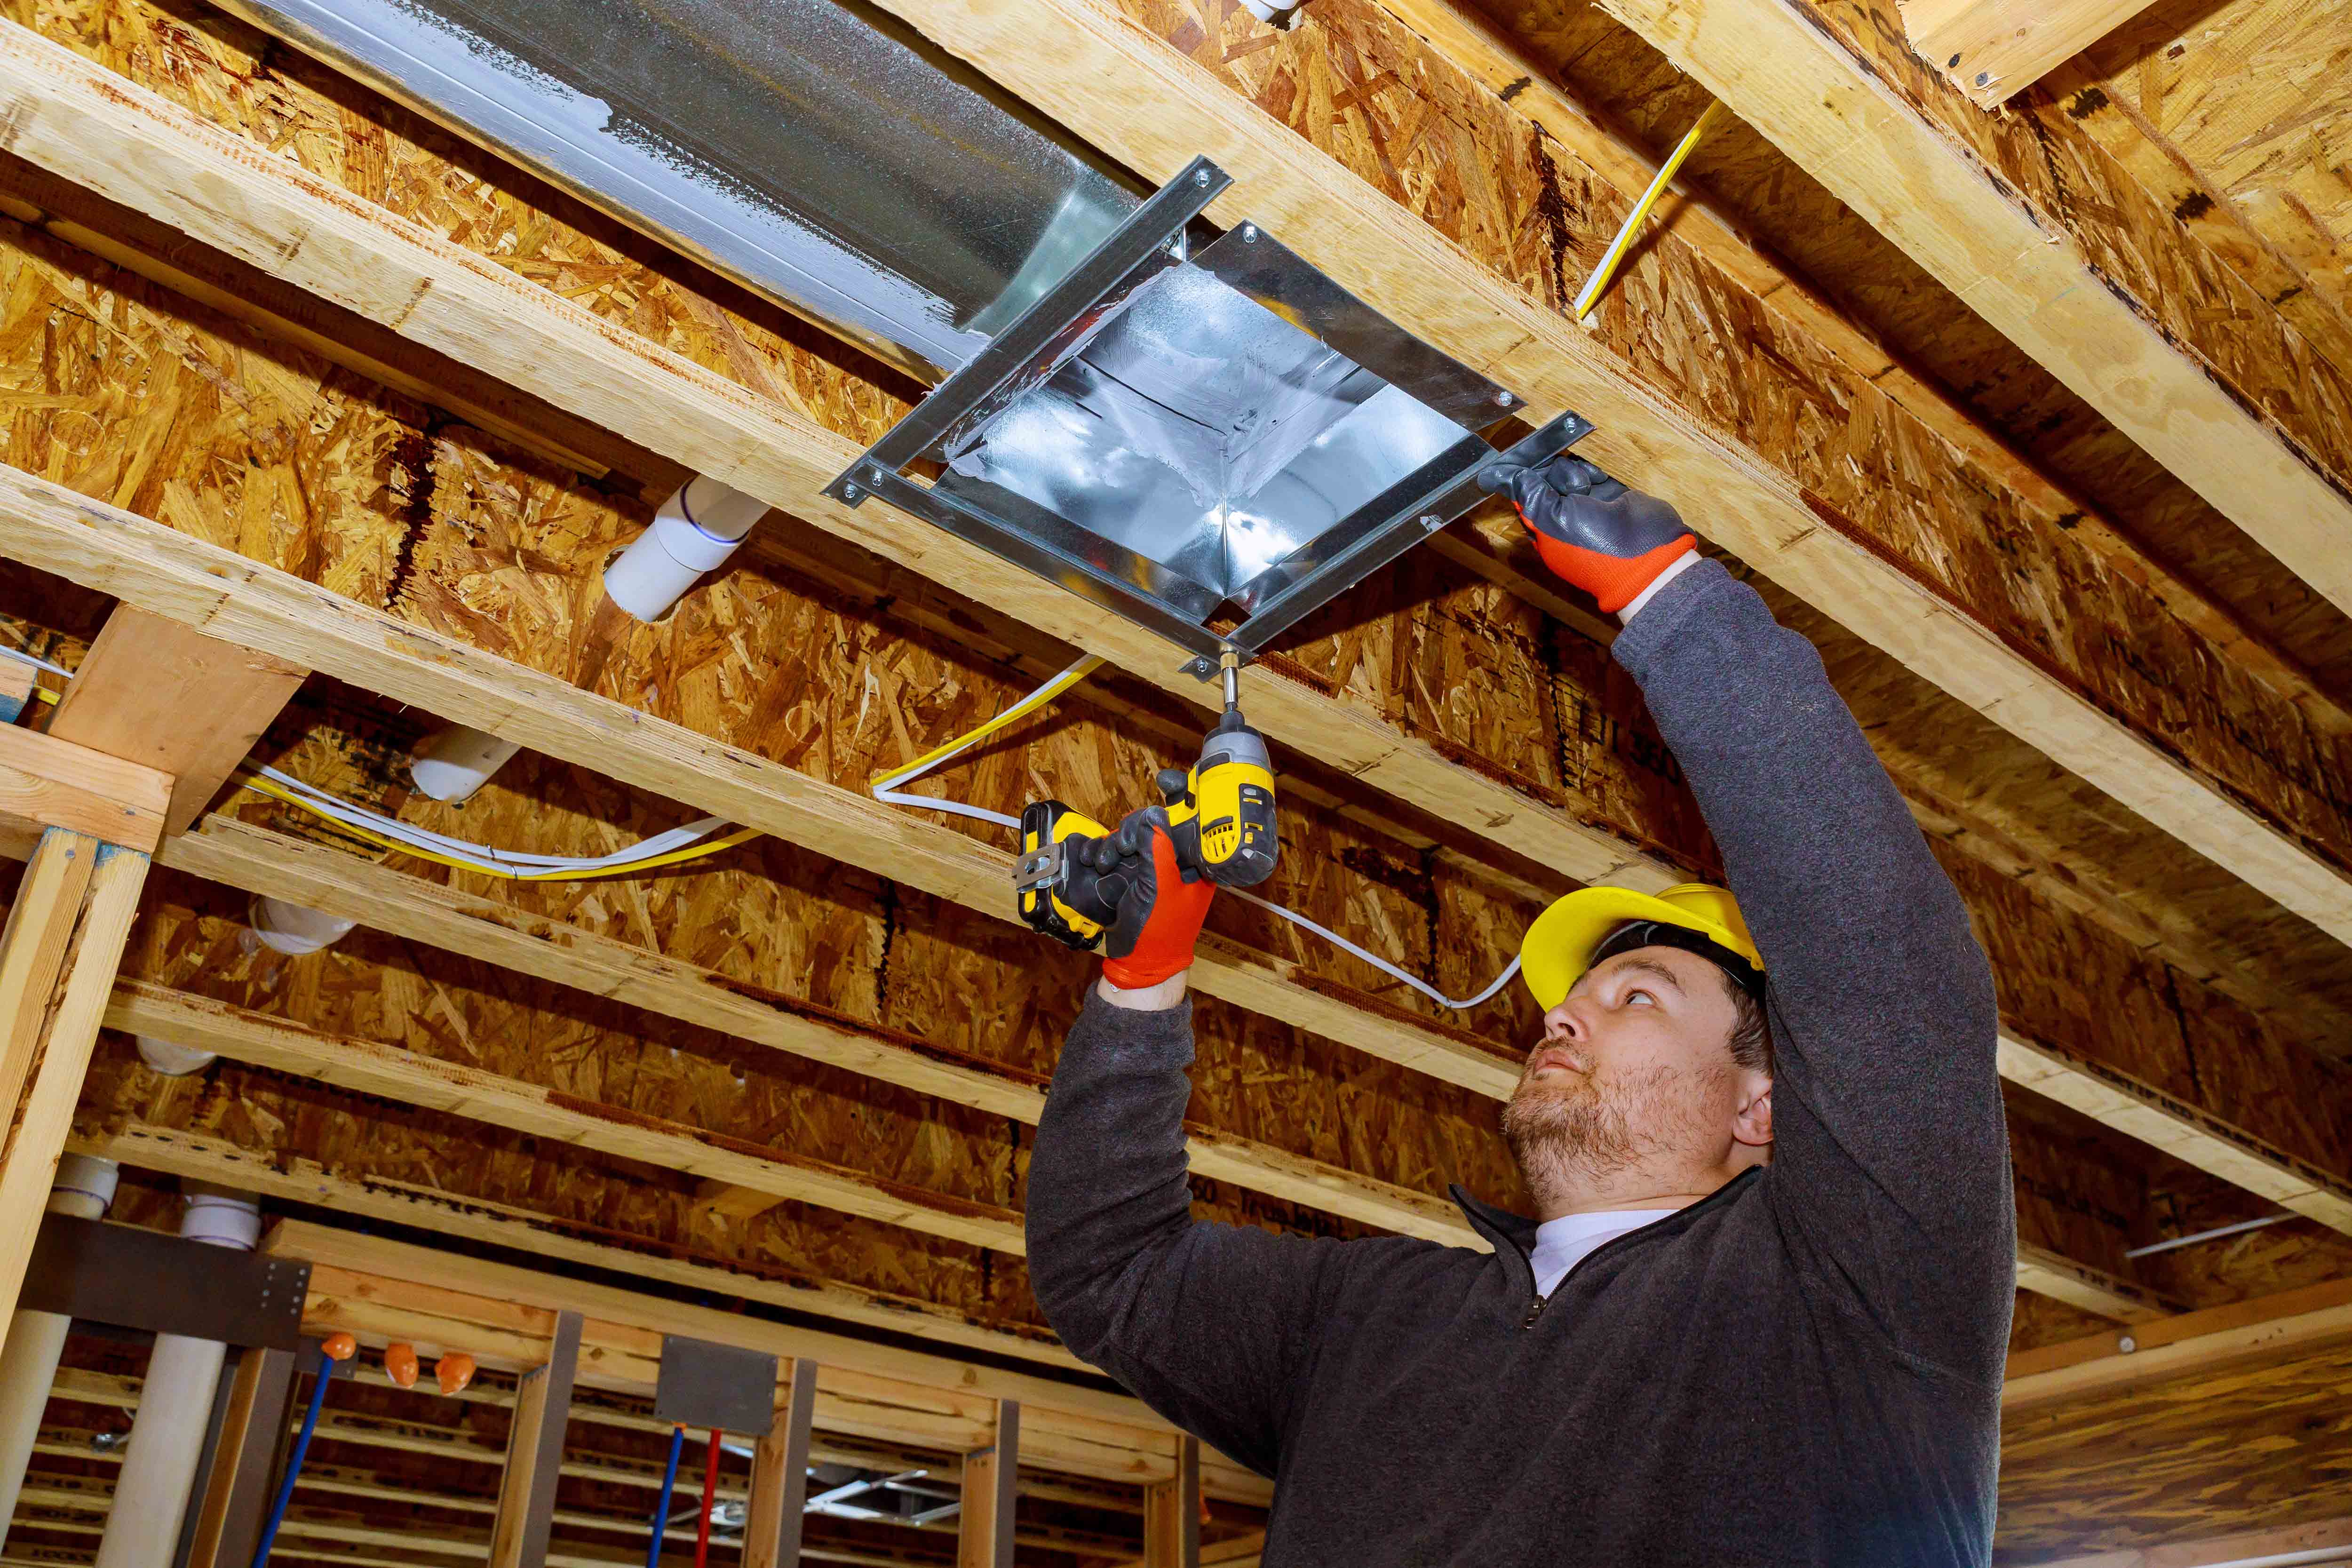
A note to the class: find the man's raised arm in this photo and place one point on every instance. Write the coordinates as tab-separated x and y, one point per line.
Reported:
1890	1157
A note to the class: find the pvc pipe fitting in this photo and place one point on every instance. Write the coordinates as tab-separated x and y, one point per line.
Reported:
84	1186
174	1061
218	1218
290	929
1268	10
454	763
694	532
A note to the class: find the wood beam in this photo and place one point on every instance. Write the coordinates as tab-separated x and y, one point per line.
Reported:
2046	1273
370	1067
155	692
46	782
991	1486
1172	1513
2267	1328
438	294
58	955
780	1464
1991	50
542	1410
2036	231
273	1174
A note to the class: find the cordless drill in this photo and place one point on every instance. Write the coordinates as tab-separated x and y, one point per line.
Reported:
1220	816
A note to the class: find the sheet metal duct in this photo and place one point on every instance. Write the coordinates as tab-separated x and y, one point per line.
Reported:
809	153
1211	444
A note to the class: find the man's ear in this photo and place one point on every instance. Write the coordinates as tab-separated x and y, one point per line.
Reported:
1752	1124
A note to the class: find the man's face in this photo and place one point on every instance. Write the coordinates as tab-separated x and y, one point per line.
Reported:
1633	1077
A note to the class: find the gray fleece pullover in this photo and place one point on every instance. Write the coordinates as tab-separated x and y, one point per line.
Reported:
1804	1367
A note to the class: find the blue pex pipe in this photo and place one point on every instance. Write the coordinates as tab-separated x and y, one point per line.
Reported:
661	1509
326	1374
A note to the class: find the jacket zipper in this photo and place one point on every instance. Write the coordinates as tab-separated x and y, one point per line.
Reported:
1536	1310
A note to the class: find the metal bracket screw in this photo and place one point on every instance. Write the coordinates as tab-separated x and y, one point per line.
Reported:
1200	176
1249	234
2126	1343
1504	399
1431	522
1200	667
850	494
874	475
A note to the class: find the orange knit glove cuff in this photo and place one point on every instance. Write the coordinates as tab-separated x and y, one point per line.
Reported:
1616	581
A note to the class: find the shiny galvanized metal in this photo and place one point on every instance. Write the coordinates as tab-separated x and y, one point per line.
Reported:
812	154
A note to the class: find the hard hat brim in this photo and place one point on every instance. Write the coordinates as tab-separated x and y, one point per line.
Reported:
1557	948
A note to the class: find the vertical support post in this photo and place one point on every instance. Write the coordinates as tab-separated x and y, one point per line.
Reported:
57	959
1171	1512
542	1410
780	1465
991	1480
245	1461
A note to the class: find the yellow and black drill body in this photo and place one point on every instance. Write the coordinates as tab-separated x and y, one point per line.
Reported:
1220	817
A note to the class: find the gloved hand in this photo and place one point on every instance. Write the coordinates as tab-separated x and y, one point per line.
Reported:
1159	914
1592	532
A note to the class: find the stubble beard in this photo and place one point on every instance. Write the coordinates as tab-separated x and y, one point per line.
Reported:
1569	1138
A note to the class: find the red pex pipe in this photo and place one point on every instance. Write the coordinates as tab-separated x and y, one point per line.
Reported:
710	1491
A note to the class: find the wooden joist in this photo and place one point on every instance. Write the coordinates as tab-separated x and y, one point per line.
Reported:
2036	230
375	263
2217	1338
46	782
2291	1544
371	1068
1994	50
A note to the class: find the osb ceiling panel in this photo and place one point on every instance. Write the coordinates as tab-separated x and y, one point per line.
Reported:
1602	63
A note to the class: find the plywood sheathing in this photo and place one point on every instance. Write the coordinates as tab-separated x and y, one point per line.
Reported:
2202	1456
1936	343
1875	443
1359	87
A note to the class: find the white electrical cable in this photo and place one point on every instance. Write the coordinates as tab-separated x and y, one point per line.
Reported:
887	788
17	653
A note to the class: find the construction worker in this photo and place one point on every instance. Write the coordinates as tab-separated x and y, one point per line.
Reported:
1760	1313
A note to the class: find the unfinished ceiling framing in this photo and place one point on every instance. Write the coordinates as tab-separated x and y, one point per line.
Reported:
321	424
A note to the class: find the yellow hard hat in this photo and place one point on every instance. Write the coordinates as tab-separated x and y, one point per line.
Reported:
1559	946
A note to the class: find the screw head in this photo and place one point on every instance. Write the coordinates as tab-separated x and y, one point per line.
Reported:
1983	77
1200	176
1249	234
1431	522
873	474
850	493
1503	400
2126	1343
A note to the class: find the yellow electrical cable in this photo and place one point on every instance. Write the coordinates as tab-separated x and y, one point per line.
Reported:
1021	709
674	857
1590	293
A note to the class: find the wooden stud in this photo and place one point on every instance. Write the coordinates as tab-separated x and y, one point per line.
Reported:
57	958
543	1411
154	691
780	1465
2282	1545
17	682
236	1493
990	1484
1171	1513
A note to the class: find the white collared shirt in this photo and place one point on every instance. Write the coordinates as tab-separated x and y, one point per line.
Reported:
1561	1243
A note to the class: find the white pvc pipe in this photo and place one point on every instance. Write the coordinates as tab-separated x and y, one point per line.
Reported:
28	1363
290	929
694	532
175	1407
452	765
174	1061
